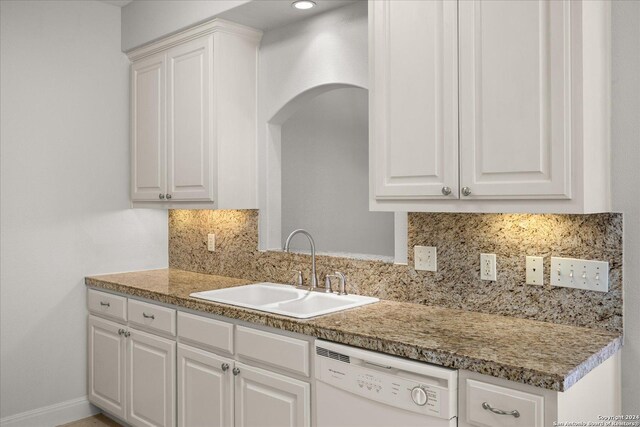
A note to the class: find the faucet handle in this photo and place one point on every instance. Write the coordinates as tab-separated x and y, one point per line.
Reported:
298	277
343	283
327	282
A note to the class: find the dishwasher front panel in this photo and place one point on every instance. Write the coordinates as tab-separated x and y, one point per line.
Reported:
356	387
339	408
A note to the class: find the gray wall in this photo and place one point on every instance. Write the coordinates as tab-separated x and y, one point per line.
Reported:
626	181
325	177
65	193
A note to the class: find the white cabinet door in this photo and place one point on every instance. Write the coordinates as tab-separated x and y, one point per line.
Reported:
151	365
515	99
413	99
205	388
266	399
106	365
148	143
189	121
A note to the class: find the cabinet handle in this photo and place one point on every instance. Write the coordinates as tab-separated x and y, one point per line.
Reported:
236	371
105	304
161	196
225	367
148	316
168	196
466	191
127	334
120	331
446	191
488	407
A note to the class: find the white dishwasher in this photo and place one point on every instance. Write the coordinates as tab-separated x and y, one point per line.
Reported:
356	387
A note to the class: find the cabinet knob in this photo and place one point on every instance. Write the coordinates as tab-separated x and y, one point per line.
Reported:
446	191
127	334
236	371
225	367
161	196
168	196
466	191
120	331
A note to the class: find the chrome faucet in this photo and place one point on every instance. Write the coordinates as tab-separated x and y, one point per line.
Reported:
314	276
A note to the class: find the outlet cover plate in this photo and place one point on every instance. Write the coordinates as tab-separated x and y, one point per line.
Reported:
488	267
535	270
211	242
425	258
580	274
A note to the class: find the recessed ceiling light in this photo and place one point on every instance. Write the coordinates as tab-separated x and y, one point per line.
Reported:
303	4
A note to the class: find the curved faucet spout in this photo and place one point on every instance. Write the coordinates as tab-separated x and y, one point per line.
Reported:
314	276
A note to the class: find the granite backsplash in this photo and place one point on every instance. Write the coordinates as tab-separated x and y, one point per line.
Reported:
460	238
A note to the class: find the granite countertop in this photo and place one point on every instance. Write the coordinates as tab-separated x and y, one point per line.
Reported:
541	354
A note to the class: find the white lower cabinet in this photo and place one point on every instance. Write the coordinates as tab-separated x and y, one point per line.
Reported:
151	373
106	370
148	380
264	398
205	388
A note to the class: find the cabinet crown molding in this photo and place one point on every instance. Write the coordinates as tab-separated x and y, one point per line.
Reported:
209	27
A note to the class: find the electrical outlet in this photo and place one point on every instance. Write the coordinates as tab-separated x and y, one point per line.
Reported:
535	270
211	242
425	258
488	267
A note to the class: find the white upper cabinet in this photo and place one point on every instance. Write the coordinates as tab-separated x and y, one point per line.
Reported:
194	119
148	147
189	139
515	99
414	99
526	83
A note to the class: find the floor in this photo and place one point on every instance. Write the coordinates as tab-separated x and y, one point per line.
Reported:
98	420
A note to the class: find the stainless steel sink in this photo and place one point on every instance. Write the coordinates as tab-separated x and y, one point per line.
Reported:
285	300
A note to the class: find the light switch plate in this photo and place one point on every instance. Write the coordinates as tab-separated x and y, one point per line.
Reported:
535	270
488	267
580	274
211	242
425	258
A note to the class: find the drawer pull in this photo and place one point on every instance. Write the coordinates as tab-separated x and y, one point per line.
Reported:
148	316
488	407
105	304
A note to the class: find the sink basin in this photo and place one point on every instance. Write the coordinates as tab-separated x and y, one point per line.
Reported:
286	300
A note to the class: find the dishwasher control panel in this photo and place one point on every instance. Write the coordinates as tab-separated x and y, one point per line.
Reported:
387	381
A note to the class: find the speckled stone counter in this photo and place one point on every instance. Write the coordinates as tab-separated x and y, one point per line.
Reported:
541	354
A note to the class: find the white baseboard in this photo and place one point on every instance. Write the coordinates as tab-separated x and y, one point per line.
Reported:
52	415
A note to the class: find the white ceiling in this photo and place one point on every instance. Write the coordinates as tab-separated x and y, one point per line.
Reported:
119	3
268	14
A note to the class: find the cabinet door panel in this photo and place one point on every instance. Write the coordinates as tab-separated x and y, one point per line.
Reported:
414	98
205	390
148	144
151	380
106	366
265	399
189	120
515	99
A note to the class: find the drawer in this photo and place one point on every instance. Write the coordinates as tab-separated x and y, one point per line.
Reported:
107	305
204	332
282	352
483	397
152	317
